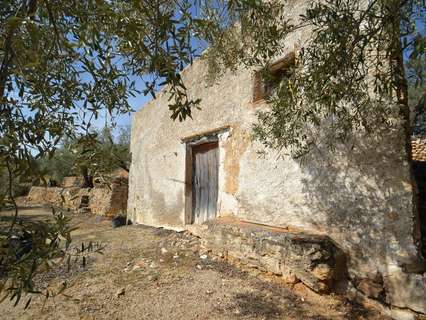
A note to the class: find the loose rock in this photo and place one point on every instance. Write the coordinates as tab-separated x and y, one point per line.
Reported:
120	292
370	288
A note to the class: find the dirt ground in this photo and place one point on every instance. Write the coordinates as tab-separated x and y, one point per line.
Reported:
149	273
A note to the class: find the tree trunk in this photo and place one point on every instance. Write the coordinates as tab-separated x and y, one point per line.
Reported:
88	180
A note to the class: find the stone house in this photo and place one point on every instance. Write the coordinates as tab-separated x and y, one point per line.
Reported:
347	216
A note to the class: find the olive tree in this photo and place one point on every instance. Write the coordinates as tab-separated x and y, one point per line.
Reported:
349	78
62	63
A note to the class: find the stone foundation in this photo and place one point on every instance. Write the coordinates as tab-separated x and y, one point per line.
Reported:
75	198
312	259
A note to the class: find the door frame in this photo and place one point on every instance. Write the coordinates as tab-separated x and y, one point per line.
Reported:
190	144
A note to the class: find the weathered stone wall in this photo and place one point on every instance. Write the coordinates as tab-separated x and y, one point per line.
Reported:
69	198
109	201
361	195
45	195
295	256
75	197
101	200
418	147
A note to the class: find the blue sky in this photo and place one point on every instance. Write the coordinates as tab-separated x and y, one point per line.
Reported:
122	120
140	100
135	102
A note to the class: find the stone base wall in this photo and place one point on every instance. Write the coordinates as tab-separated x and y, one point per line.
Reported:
69	198
312	259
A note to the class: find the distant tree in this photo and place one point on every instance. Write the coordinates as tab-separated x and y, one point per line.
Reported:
113	152
416	78
56	166
100	154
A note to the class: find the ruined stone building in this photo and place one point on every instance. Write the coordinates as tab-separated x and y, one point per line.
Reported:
106	198
347	216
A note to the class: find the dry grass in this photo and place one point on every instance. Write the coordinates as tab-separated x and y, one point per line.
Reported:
137	279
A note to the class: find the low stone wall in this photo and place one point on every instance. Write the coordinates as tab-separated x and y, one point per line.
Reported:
109	201
100	200
45	195
69	198
312	259
75	198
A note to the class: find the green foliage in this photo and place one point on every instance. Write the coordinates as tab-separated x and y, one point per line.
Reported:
25	250
96	154
99	153
33	247
20	186
111	152
349	79
416	77
62	63
57	166
417	97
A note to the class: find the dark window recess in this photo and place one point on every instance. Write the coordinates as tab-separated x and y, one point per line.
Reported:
419	168
266	84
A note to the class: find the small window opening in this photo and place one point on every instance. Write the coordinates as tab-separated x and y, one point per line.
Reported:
266	84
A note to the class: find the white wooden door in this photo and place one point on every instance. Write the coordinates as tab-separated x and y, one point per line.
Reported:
205	181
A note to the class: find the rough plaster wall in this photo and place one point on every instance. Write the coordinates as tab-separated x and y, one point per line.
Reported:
361	195
361	198
157	178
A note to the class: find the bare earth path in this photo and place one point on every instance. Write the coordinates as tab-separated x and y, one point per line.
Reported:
148	273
